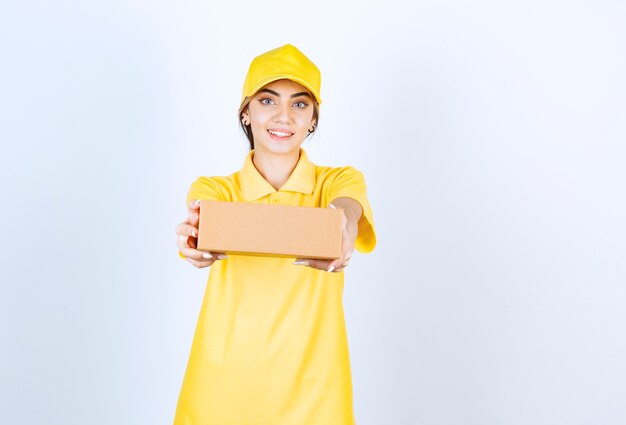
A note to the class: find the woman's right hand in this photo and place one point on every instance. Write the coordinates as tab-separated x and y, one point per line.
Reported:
187	239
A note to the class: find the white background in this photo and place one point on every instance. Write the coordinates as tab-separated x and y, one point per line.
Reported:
492	137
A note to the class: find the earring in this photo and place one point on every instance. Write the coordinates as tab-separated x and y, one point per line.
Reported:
312	129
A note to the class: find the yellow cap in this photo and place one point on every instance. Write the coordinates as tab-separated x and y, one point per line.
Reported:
283	62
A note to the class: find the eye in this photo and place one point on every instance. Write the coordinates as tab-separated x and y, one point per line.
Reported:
266	101
300	104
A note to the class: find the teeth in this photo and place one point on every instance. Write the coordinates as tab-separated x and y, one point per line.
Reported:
279	133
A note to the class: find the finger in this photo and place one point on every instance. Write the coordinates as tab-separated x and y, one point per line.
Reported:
186	229
186	236
193	219
219	255
195	254
193	212
184	241
200	264
334	264
313	263
341	267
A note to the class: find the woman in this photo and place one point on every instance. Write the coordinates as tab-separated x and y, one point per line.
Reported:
270	346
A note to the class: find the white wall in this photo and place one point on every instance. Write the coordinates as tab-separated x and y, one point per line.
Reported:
492	136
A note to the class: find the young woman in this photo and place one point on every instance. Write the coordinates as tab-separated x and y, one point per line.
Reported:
270	346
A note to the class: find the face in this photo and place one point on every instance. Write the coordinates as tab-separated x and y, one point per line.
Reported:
280	116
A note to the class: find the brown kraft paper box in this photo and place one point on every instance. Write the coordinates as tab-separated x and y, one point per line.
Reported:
263	229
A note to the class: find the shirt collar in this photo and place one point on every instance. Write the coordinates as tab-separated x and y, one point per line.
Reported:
254	186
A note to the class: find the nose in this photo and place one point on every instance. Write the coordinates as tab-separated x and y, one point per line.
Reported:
283	113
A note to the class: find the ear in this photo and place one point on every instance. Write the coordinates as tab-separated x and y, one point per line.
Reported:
245	117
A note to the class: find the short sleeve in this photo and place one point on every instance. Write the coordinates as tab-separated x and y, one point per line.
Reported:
203	188
350	183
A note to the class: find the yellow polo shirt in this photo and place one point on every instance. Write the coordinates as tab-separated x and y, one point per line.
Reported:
270	346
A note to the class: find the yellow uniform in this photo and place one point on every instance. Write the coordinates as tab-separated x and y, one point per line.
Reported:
270	346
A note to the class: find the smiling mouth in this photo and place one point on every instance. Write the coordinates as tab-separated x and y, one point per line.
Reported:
280	134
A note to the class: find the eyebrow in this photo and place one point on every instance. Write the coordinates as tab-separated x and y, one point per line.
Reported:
293	95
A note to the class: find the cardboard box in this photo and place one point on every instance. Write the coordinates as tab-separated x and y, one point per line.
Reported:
243	228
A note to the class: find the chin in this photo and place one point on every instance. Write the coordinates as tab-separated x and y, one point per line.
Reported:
280	147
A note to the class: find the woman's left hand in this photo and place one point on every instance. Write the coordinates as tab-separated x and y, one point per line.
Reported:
349	230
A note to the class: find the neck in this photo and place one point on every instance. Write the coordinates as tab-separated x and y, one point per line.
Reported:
274	168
